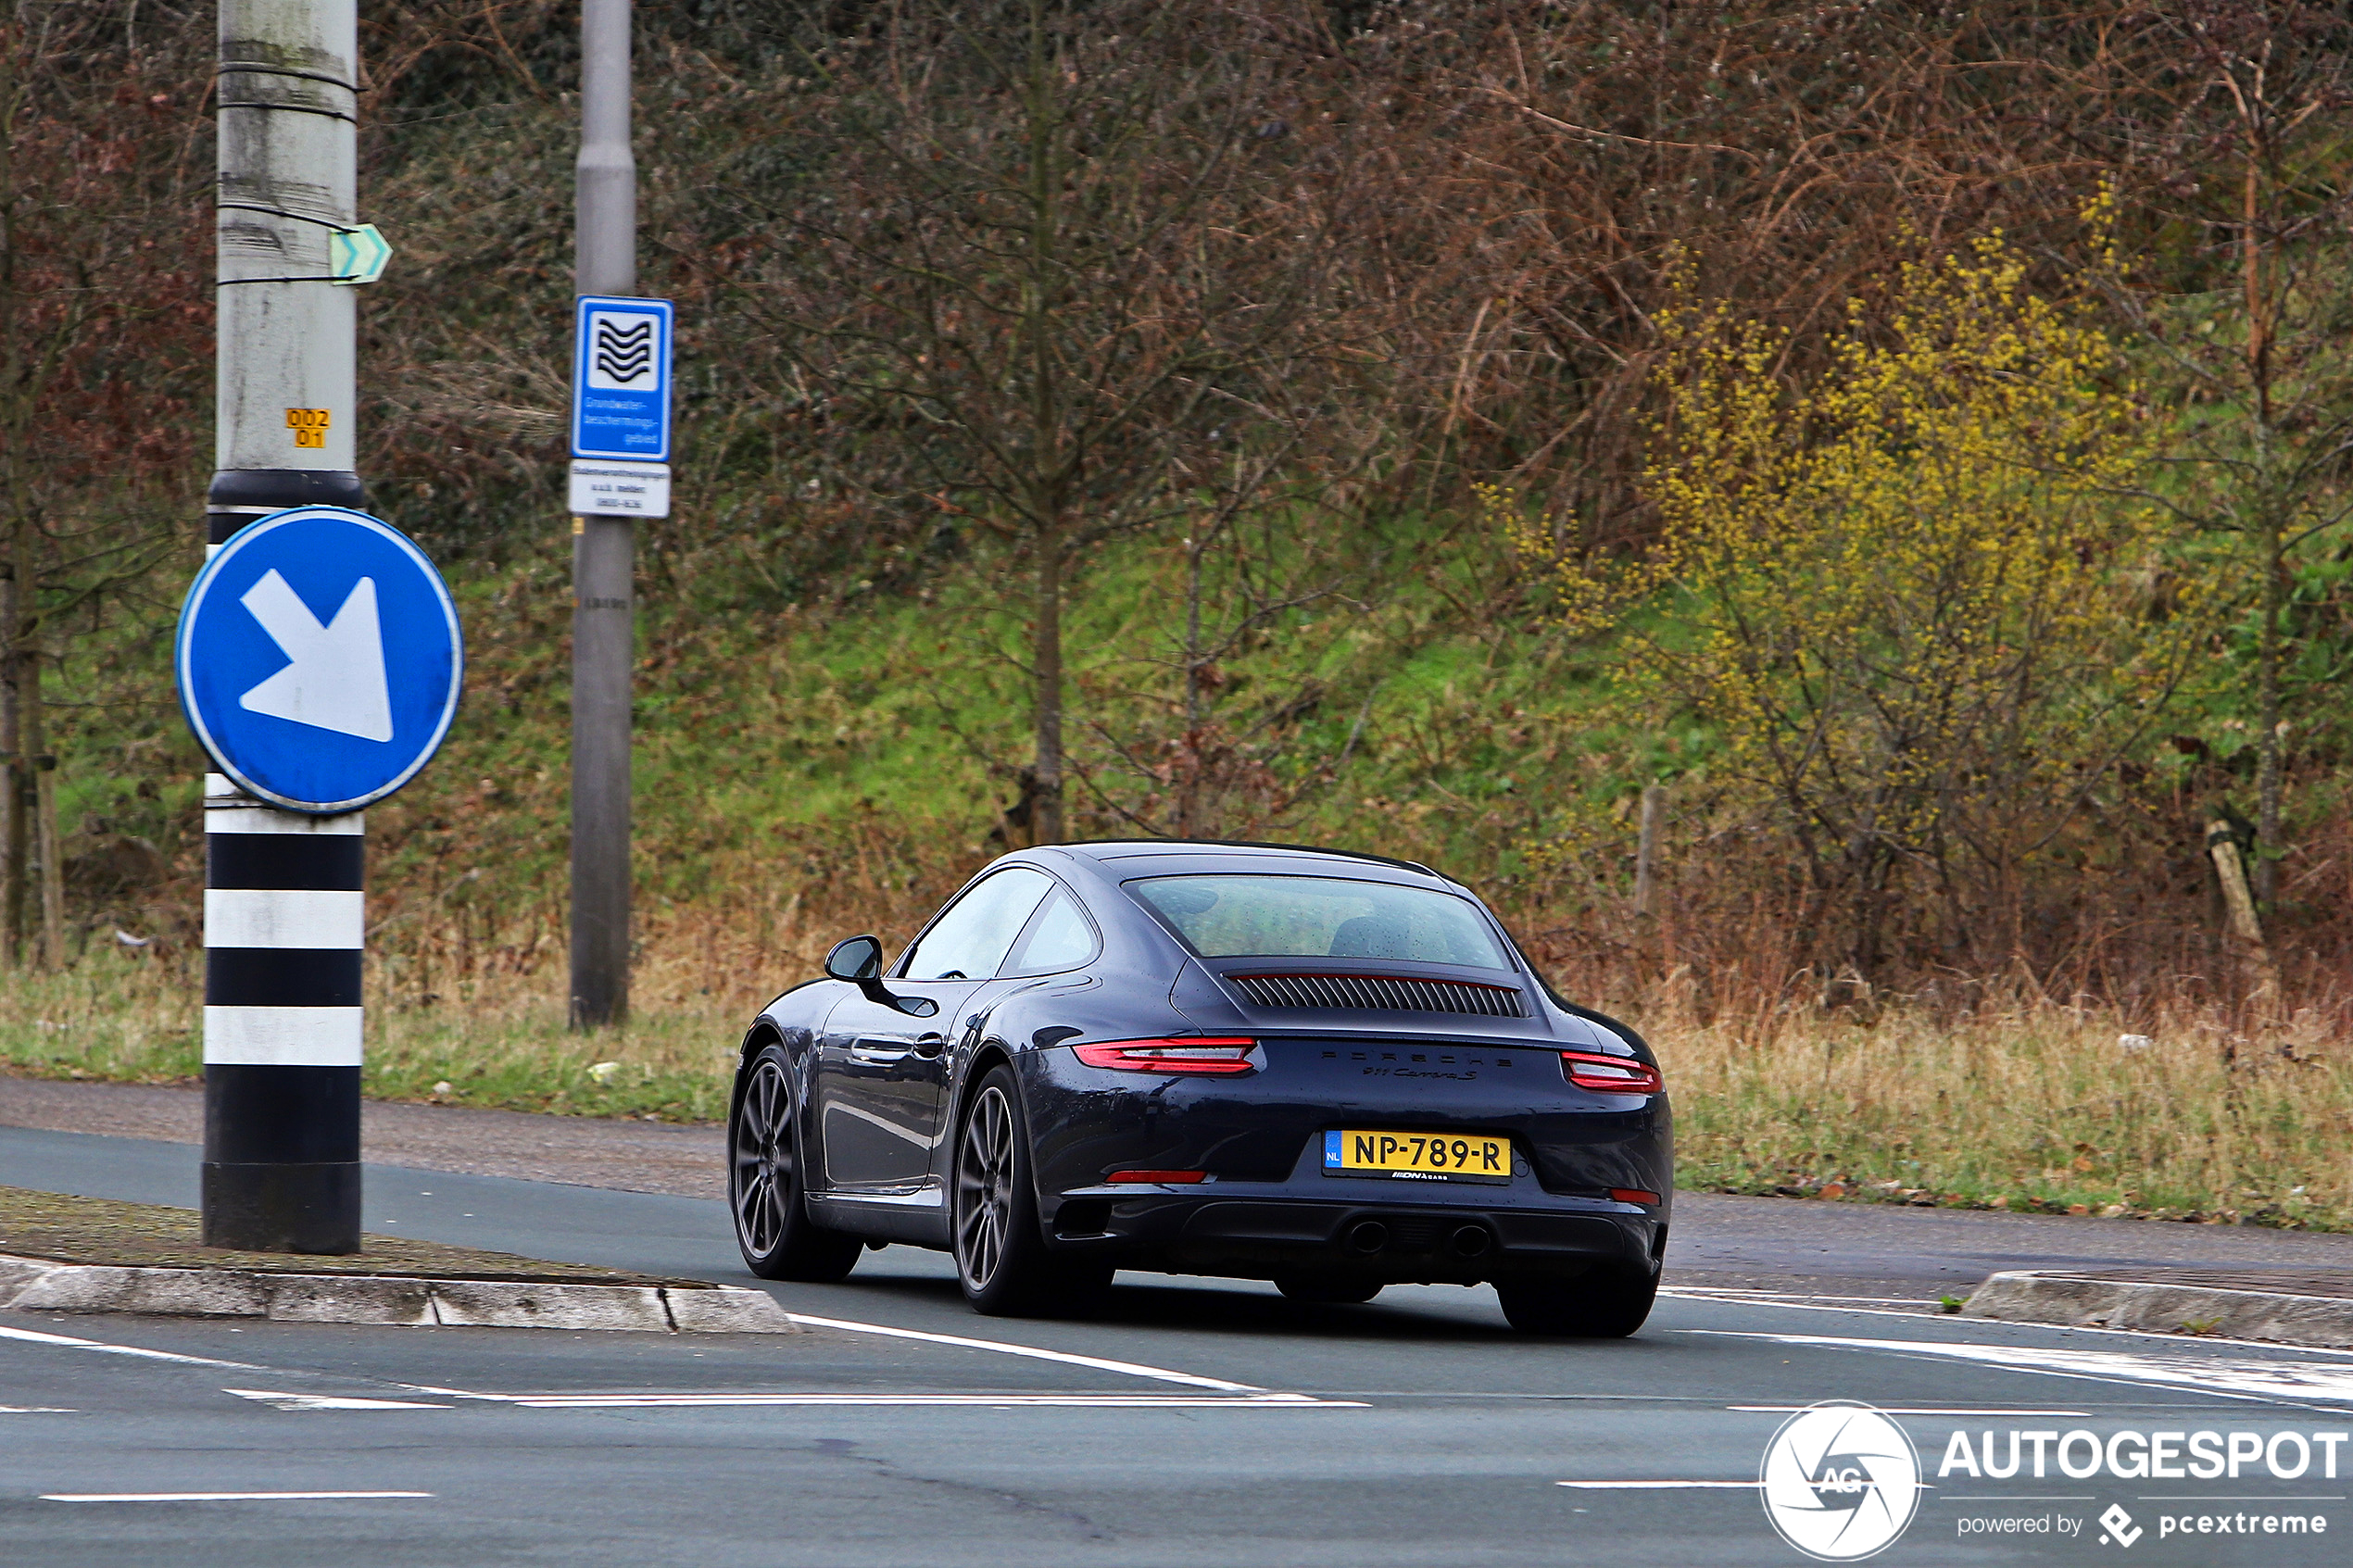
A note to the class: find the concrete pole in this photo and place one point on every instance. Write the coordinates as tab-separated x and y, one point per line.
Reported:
603	554
281	1037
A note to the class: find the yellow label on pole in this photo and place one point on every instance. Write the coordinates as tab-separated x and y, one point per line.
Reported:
310	426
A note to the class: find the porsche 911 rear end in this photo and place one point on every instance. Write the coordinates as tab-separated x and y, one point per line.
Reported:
1401	1102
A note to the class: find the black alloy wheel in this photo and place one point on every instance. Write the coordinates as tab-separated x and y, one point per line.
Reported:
1001	1257
1607	1303
1328	1290
773	1228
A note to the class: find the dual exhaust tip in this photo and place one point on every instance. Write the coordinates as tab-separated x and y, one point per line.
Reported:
1369	1237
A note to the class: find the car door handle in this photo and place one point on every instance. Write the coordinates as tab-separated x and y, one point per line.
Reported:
877	1053
930	1045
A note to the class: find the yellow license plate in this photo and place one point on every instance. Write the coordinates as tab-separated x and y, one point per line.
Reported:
1443	1156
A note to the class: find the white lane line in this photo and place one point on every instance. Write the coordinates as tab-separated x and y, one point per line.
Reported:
1763	1297
2295	1382
220	1497
2140	1334
67	1341
288	1401
980	1402
1655	1486
1914	1409
1130	1369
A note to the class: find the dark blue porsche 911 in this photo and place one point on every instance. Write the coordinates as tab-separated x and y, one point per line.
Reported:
1336	1072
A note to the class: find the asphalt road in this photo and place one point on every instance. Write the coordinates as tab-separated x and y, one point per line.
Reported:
1192	1421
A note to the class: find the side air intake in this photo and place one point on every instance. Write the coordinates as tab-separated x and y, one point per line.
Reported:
1389	993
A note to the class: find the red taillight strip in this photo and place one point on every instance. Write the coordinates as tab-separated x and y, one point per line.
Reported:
1160	1178
1611	1075
1194	1054
1621	1195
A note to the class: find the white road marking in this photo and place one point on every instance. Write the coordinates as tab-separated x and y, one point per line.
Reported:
1820	1305
66	1341
37	1410
1655	1485
328	1402
2295	1382
982	1401
1912	1410
1098	1363
218	1497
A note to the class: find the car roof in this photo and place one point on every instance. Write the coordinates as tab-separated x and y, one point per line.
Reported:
1205	850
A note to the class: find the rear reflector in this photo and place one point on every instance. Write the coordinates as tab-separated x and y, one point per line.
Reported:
1623	1195
1159	1179
1610	1074
1191	1054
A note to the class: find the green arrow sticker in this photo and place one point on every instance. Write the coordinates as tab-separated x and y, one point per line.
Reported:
357	254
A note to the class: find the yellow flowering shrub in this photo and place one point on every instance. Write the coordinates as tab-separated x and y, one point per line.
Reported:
1911	598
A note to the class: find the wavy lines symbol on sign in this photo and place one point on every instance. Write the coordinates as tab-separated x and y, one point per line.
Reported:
624	353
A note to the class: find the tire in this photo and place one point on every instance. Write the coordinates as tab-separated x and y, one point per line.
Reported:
1325	1290
1605	1304
1001	1257
773	1228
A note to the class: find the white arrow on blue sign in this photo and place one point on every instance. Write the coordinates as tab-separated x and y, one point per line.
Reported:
621	378
320	660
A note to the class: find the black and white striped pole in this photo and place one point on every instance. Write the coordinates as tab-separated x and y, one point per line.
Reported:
318	653
283	926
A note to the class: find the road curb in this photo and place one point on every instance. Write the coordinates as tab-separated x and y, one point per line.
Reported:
2081	1301
35	1284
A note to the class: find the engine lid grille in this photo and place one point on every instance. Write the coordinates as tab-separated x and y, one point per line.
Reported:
1390	993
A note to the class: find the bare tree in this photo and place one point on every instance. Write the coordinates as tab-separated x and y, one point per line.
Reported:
1066	262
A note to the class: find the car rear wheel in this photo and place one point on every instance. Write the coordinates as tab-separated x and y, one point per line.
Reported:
1604	1304
1325	1290
773	1228
1001	1257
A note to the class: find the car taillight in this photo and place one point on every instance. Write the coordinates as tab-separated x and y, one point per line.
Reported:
1160	1178
1611	1075
1193	1055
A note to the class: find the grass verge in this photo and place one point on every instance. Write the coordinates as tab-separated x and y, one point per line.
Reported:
2037	1108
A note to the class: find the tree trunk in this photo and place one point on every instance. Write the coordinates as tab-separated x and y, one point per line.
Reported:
2268	743
34	737
12	782
1046	656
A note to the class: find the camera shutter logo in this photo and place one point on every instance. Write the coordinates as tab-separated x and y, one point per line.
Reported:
1840	1481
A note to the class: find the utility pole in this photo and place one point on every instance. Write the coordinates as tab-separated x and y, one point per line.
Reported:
603	553
283	916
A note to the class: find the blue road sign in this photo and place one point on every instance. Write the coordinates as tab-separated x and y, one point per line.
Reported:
621	378
320	660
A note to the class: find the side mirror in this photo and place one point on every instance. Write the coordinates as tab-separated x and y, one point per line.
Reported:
859	962
856	960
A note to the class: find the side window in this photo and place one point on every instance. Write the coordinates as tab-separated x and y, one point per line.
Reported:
1060	939
968	942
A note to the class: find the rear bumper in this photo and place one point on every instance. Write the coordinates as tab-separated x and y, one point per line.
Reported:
1259	1236
1268	1206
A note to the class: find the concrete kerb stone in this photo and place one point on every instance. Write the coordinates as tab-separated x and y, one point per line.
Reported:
33	1285
2081	1302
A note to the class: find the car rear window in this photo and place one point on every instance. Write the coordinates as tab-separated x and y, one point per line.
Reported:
1320	917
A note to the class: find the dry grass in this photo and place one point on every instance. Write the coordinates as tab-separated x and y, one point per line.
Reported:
2036	1108
2033	1106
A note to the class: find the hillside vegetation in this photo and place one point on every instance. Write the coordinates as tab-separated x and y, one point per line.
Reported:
1906	441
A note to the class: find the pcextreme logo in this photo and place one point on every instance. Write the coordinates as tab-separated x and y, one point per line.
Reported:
1840	1481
